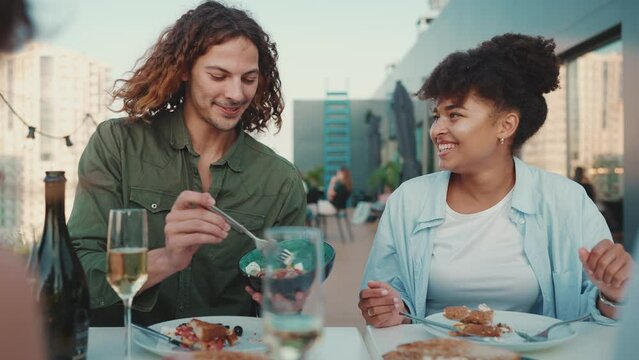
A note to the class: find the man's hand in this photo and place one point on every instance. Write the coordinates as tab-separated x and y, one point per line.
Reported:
256	296
189	225
286	303
609	267
380	305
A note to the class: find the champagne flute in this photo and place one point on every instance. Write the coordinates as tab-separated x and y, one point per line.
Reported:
127	247
293	302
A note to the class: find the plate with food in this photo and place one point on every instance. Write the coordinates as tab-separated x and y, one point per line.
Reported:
206	333
448	349
497	328
298	277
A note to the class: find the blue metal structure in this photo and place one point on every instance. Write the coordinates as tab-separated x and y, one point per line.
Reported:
337	133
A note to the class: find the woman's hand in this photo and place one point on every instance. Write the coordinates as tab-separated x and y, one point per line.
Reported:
380	305
609	267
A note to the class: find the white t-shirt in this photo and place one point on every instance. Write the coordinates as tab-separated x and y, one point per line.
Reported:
479	258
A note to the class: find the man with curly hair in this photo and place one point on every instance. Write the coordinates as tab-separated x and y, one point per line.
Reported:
209	80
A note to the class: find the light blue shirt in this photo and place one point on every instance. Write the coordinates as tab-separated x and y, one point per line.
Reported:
553	214
627	344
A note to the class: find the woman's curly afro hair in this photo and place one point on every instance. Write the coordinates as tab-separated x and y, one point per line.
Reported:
512	70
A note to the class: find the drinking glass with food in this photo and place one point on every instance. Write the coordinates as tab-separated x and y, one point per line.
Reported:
293	302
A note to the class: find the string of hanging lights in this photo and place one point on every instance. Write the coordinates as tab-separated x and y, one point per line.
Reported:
32	130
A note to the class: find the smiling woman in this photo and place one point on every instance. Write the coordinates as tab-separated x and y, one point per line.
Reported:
490	228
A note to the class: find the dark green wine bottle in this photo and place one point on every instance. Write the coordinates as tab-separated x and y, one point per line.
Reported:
61	286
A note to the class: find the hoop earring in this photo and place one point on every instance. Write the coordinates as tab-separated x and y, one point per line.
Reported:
502	141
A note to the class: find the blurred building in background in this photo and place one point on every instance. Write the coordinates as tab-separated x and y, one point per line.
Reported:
52	90
588	123
309	131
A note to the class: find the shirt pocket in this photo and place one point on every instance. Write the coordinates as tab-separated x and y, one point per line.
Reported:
567	293
158	204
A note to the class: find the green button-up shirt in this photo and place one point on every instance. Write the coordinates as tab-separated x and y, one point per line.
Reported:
140	165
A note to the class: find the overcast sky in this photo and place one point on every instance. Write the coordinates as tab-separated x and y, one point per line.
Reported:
327	44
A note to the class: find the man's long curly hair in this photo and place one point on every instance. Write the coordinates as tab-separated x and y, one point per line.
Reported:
157	85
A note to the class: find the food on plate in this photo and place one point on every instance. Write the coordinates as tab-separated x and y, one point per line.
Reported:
475	322
476	330
456	312
482	316
254	269
203	335
443	349
218	355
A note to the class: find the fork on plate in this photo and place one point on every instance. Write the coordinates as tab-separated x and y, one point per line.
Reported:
543	335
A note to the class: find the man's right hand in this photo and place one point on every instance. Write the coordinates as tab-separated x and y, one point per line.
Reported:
188	226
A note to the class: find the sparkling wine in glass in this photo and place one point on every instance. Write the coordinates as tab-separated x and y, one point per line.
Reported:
127	247
293	302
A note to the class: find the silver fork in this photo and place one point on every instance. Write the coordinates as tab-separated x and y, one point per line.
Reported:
286	257
543	335
259	242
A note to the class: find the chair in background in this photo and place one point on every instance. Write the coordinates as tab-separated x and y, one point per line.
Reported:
313	195
335	209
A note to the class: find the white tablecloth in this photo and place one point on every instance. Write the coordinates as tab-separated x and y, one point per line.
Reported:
336	343
592	342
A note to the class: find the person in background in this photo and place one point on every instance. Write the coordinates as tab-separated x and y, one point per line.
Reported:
22	331
583	180
490	228
340	188
209	81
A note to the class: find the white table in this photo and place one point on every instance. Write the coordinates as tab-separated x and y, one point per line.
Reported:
337	343
592	342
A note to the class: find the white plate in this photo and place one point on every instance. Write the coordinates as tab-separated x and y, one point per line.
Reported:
529	323
251	339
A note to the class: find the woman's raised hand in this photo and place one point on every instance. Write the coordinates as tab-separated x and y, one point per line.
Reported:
609	267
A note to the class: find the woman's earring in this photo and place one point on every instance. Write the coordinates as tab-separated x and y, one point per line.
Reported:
502	141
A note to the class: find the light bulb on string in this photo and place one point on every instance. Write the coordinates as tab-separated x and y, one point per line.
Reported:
31	134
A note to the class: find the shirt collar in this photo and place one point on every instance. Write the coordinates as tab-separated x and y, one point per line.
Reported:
179	138
434	215
525	191
178	135
233	156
